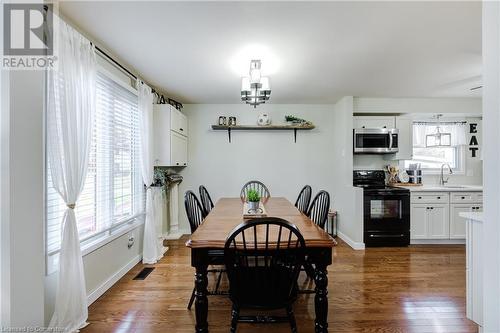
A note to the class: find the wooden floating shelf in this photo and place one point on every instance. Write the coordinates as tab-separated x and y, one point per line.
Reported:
293	128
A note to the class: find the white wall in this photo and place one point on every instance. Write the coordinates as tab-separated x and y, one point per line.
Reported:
270	156
491	155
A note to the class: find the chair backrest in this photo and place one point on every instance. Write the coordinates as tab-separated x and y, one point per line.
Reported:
194	210
263	258
206	201
318	211
304	199
257	186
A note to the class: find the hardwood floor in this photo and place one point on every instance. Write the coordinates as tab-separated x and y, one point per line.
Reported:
420	289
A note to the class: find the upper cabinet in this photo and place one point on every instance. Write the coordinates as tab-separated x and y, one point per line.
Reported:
170	136
405	139
374	122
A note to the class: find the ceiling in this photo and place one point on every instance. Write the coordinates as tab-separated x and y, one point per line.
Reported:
314	52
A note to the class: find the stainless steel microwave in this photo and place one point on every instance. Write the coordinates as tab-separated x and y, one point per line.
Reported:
376	140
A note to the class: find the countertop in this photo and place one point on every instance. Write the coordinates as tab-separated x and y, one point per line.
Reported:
448	188
476	216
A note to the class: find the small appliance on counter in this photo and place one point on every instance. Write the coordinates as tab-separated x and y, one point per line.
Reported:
414	174
386	210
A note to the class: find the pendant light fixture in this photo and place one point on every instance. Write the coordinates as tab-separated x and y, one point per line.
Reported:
255	88
438	139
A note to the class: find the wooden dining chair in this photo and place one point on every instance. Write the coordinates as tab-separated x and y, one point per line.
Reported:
263	259
304	199
196	214
257	186
318	211
206	200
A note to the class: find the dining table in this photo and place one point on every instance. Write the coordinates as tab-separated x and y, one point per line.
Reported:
226	215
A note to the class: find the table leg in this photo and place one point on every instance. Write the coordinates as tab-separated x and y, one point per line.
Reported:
201	303
321	299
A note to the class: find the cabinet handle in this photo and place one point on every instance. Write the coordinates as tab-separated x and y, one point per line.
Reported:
420	197
385	126
181	129
439	197
177	163
463	198
185	163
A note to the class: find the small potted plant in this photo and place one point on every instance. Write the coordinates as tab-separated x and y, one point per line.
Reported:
253	199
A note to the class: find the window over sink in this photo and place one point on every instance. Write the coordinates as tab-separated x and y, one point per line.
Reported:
431	158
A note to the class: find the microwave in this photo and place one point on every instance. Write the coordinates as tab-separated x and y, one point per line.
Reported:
376	140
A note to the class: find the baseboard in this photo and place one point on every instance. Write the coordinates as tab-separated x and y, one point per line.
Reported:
350	242
94	295
437	241
176	235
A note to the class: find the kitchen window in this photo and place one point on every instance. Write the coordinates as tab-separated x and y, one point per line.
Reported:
431	158
113	194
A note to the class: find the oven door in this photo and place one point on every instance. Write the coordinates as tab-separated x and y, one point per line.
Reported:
386	218
375	141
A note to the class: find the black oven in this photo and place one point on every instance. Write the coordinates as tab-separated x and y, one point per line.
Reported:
386	210
386	216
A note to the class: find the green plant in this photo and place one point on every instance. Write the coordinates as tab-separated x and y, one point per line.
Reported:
253	196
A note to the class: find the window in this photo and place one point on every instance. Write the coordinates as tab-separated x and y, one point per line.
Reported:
431	158
113	193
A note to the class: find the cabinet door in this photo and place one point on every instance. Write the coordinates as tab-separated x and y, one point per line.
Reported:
374	122
161	135
439	223
179	149
418	222
179	122
405	140
458	223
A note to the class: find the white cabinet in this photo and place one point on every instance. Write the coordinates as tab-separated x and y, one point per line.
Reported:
419	222
436	215
170	146
374	122
405	139
458	223
429	221
439	222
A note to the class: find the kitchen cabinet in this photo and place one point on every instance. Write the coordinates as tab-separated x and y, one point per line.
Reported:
436	215
429	221
170	136
458	223
405	139
374	122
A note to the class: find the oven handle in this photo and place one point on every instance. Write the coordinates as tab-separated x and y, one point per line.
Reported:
386	236
390	140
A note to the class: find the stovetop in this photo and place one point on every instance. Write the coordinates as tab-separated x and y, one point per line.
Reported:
373	180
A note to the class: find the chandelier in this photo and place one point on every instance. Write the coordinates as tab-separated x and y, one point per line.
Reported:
438	139
255	88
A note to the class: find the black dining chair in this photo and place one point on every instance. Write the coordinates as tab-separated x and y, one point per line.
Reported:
206	200
263	259
318	211
304	199
196	214
257	186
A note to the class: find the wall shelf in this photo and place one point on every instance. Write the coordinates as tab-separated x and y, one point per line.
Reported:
293	128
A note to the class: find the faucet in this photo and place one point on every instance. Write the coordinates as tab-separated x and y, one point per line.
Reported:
443	181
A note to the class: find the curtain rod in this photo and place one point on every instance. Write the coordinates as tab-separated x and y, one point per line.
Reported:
441	122
123	68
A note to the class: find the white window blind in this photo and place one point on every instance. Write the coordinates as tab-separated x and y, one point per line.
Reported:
113	192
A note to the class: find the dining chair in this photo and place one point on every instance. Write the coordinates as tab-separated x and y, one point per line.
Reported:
257	186
304	199
263	259
206	200
318	211
196	214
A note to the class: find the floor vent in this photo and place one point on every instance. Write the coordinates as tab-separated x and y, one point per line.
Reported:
144	273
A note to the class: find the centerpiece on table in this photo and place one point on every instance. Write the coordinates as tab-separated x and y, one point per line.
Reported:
252	207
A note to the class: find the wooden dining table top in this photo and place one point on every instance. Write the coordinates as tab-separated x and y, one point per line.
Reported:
228	213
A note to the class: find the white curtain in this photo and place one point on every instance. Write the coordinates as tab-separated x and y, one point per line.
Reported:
458	132
151	253
70	114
